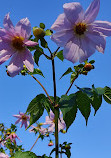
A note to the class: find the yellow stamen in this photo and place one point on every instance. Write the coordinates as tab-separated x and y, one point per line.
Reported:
17	42
80	28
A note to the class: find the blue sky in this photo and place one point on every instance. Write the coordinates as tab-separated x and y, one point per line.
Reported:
92	141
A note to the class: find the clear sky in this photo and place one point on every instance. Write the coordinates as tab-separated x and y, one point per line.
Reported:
93	141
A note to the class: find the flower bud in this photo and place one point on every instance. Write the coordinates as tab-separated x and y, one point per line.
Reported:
51	143
38	32
67	146
63	131
84	72
88	67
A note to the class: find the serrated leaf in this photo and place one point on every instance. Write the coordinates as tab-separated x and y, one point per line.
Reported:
37	71
37	55
60	55
86	90
69	70
68	107
96	101
107	94
26	154
36	108
48	32
73	76
83	102
42	25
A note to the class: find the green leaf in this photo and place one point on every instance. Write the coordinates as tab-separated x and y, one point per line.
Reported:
37	71
36	108
68	107
48	32
73	76
83	102
43	42
68	153
96	101
60	55
42	25
88	91
92	61
26	154
107	94
69	70
37	55
100	90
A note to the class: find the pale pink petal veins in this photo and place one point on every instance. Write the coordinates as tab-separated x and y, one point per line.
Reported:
48	120
2	32
24	24
51	128
92	11
73	12
5	55
16	64
28	60
62	37
102	26
71	50
61	23
52	116
86	49
98	41
8	23
30	43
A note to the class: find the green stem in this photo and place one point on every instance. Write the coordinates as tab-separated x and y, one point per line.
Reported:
56	112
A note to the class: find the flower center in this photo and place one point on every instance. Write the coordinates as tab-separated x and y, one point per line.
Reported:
24	117
17	42
80	28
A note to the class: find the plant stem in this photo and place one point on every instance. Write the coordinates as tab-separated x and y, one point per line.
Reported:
35	142
43	88
56	111
71	85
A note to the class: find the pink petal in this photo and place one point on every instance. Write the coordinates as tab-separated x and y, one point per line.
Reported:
5	55
17	116
71	50
92	11
29	61
52	116
16	64
8	23
30	43
97	40
103	26
24	24
62	37
51	128
86	49
2	32
73	12
61	23
19	120
48	120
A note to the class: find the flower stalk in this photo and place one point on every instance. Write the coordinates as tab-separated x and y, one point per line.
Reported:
56	112
35	142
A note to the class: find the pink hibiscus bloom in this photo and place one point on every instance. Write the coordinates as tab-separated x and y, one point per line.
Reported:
2	155
78	33
13	137
50	120
23	118
14	42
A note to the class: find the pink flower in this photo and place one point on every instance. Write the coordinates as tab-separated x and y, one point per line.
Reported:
2	155
14	42
13	137
40	129
23	118
78	33
50	120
